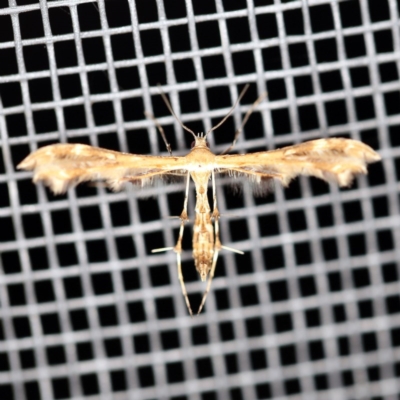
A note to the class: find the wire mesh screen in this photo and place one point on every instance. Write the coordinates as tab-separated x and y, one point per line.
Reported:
310	311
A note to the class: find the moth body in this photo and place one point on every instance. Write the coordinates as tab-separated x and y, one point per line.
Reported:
203	230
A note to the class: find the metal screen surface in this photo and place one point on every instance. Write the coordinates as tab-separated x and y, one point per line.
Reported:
310	311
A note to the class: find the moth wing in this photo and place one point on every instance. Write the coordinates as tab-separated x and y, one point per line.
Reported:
61	166
335	160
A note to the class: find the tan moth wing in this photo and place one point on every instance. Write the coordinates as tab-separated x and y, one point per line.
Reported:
333	160
61	166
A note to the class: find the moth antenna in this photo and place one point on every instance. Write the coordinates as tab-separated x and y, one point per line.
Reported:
160	129
245	119
244	90
168	104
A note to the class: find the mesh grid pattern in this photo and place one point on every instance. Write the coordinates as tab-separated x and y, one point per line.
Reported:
311	311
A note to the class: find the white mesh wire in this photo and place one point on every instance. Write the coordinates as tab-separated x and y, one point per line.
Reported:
311	311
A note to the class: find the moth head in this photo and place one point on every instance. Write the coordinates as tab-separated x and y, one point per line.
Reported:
199	141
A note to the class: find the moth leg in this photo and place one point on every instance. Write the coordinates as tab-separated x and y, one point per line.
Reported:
217	243
183	217
215	215
178	246
182	282
210	278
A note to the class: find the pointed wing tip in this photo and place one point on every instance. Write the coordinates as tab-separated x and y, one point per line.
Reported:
27	163
374	157
368	153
